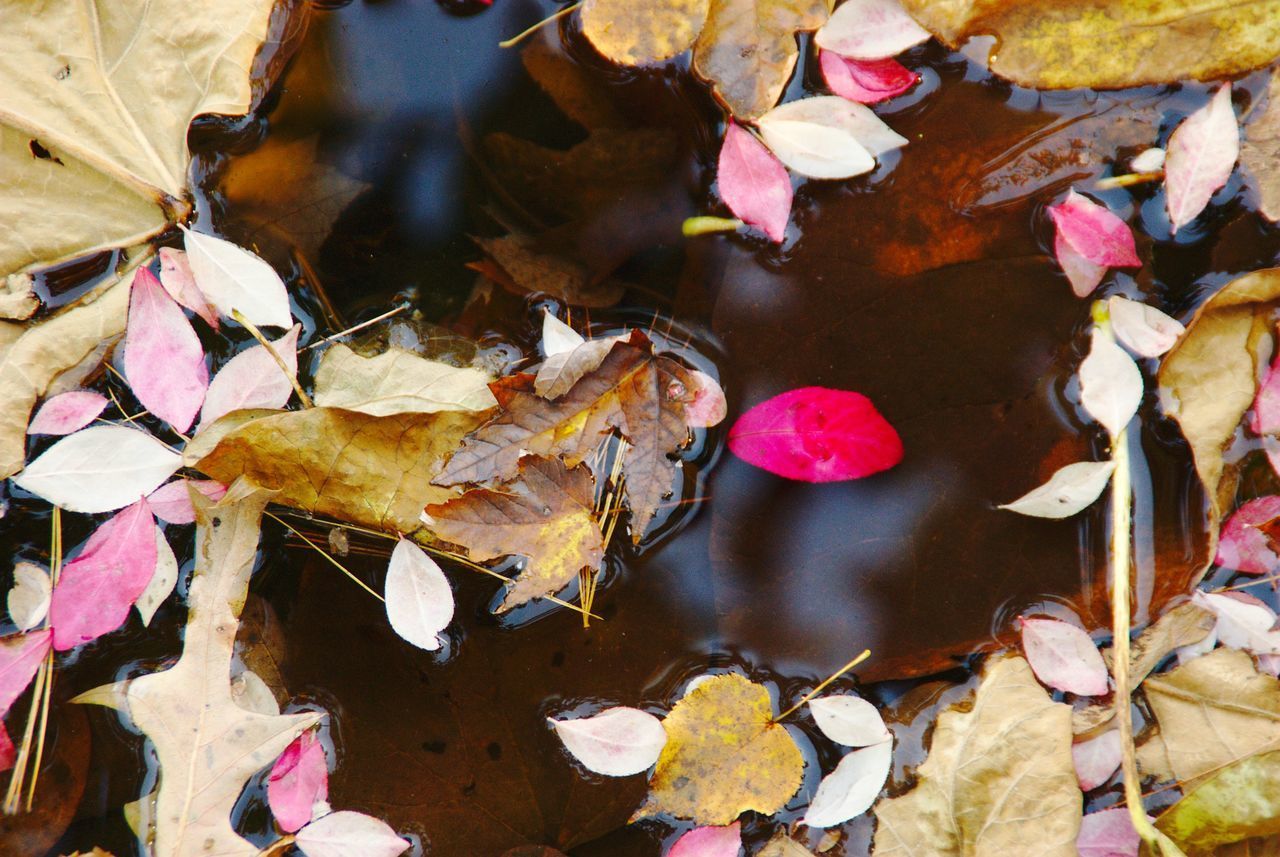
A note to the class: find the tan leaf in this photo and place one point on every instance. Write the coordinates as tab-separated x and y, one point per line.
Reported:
521	267
724	755
639	32
1061	44
371	471
1260	152
579	95
398	382
748	49
999	775
547	516
783	846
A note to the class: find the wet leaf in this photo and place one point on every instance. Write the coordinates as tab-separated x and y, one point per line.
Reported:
827	137
617	742
1108	833
20	656
753	183
1087	231
575	91
398	382
349	834
233	279
1148	160
1265	419
559	372
28	599
1143	329
419	599
999	774
865	81
1201	154
253	379
1063	656
171	502
870	30
1240	801
852	787
1110	384
523	267
1071	489
747	49
709	406
558	338
67	412
1260	152
1083	275
163	358
162	582
640	32
1243	545
1243	623
298	780
849	720
546	516
724	755
709	842
783	846
180	283
1096	759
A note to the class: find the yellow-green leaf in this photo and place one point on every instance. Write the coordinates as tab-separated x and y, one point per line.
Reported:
1238	802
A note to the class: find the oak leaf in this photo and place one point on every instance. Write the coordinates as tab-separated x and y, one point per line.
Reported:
520	265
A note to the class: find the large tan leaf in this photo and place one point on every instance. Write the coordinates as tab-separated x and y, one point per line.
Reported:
1260	152
398	382
95	100
639	32
999	776
1060	44
748	49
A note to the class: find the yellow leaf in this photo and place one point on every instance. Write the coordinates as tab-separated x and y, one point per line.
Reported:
639	32
724	755
398	382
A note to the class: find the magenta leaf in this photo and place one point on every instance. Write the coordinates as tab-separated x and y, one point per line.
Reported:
7	753
1083	275
1201	154
1108	833
163	359
1244	547
709	842
866	81
1063	657
180	283
67	412
298	779
20	656
816	434
1266	405
1094	232
97	588
753	183
171	503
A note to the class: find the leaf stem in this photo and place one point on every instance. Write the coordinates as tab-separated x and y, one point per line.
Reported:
361	326
262	340
709	225
1127	180
520	37
326	555
866	653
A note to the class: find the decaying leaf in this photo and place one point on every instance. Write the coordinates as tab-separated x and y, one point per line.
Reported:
1260	152
639	32
999	775
398	382
546	516
1238	802
724	755
578	94
783	846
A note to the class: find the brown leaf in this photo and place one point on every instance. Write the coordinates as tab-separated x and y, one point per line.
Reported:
639	32
578	94
67	756
783	846
519	266
1260	152
547	516
748	49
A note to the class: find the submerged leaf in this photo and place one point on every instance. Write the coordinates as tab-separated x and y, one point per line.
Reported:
398	382
1064	657
1110	384
419	599
1202	152
753	183
639	32
163	358
67	412
870	30
99	469
852	787
1070	489
617	742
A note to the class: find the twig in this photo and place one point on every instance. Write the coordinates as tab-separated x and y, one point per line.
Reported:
361	326
327	556
866	653
517	39
279	845
262	340
331	313
1127	180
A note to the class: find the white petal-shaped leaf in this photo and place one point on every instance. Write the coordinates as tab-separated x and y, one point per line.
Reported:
1143	329
419	599
870	30
253	379
1244	622
558	337
29	598
162	582
99	469
849	720
1202	153
832	111
617	742
398	382
816	151
349	834
852	787
1064	657
1110	384
1068	491
1148	160
1097	759
232	278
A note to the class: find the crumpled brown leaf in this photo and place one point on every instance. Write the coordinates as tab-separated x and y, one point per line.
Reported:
1260	152
999	775
639	32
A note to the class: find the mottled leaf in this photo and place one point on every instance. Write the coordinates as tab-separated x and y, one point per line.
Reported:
298	779
1240	801
640	32
870	30
865	81
67	412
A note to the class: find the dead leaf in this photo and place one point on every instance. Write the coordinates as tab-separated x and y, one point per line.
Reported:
578	94
999	775
1061	45
63	775
783	846
520	267
546	516
398	382
748	49
639	32
724	755
1260	151
1238	802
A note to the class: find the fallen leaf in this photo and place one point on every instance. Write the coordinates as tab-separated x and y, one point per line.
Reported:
747	49
709	406
233	279
724	755
67	412
1108	833
832	111
163	358
1083	275
865	81
815	434
558	338
640	32
180	283
849	720
852	787
1240	801
1243	623
171	502
753	183
1093	234
28	599
253	379
546	516
870	30
827	137
1063	656
1143	329
349	834
163	579
523	267
999	774
1110	384
1260	151
419	599
298	780
576	92
709	842
1148	160
20	656
617	742
1201	154
559	372
1070	489
1097	759
783	846
1243	546
1265	419
398	382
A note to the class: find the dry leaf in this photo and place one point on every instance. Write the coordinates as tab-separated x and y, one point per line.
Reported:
1260	152
520	266
578	94
398	382
639	32
1236	803
999	775
782	846
724	755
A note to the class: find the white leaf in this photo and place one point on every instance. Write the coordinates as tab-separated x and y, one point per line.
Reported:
617	742
1148	161
558	337
419	600
849	720
99	469
1096	759
1145	330
1064	657
559	372
852	787
1243	622
816	151
349	834
870	30
253	379
29	598
398	382
1110	384
162	581
232	278
1202	153
1069	490
832	111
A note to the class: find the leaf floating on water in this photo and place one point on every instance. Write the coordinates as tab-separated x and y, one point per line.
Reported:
299	780
870	30
253	379
559	372
20	656
1143	329
1110	384
162	582
1070	489
617	742
852	787
163	359
28	599
1097	759
398	382
99	469
1238	802
783	846
557	337
827	137
753	183
1083	275
640	32
1260	151
1064	657
1089	239
1243	546
1148	160
709	842
171	503
67	412
1202	153
709	406
349	834
1108	833
849	720
865	81
1244	622
180	283
234	279
419	599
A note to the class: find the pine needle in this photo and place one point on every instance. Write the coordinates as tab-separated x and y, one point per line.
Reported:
324	553
262	340
520	37
866	653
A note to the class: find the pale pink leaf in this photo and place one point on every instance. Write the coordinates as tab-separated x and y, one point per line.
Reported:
171	503
753	183
1266	404
849	720
253	379
617	742
8	754
1148	161
20	655
232	279
419	601
1083	275
163	359
709	842
67	412
1070	489
1244	622
1063	657
28	600
1110	384
97	588
349	834
831	112
298	780
709	406
852	787
1242	546
1094	232
180	283
162	581
1269	664
1202	152
1108	833
1143	329
1097	759
865	81
870	30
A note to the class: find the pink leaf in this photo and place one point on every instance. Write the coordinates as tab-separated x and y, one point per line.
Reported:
20	655
1108	833
709	842
708	407
1063	657
753	183
1266	405
1083	275
253	379
7	753
866	81
67	412
171	503
163	359
97	588
1202	152
180	283
816	434
298	779
1096	759
1094	232
1244	547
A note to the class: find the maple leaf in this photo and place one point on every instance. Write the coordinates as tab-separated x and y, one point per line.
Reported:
547	516
634	391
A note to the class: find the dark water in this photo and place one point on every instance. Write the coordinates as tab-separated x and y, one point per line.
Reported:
926	286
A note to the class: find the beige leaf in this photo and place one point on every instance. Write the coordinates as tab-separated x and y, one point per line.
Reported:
999	775
783	846
639	32
1260	152
398	382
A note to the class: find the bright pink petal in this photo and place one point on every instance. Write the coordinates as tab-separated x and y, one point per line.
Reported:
1063	657
20	656
171	503
97	588
1097	759
298	779
1094	232
1083	275
1244	547
1266	405
709	842
1108	833
866	81
67	412
753	183
253	379
709	406
163	359
815	434
1202	152
8	755
180	283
